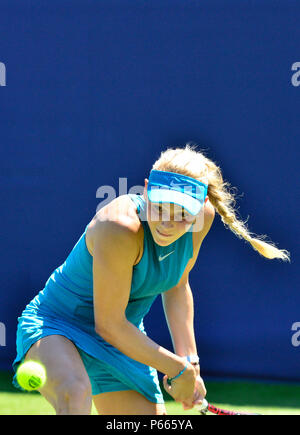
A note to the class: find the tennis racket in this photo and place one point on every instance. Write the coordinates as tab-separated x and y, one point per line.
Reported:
207	407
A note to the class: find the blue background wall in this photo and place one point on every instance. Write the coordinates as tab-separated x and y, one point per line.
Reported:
95	90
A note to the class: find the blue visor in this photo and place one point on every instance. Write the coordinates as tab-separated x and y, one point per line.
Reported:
179	189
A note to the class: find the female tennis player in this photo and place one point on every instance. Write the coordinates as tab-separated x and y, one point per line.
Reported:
86	325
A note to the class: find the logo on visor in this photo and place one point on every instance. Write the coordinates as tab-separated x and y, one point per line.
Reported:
180	186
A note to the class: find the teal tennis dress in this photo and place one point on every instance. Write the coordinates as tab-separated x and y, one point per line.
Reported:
65	307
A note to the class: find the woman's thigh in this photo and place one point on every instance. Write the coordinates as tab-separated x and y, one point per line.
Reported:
67	380
127	402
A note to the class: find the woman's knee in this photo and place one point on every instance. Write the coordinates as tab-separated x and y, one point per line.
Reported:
73	396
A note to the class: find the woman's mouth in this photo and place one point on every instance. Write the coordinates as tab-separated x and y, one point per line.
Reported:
162	234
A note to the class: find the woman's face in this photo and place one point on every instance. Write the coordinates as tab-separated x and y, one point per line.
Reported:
167	222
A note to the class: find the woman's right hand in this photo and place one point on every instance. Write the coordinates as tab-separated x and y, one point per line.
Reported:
182	388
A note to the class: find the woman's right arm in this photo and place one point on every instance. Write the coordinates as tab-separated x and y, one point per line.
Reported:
114	254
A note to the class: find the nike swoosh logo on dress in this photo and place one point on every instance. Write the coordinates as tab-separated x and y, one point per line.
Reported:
161	258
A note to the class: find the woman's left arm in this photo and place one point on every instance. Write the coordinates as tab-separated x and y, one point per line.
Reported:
178	306
179	311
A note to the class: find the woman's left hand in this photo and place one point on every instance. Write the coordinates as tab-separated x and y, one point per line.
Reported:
199	393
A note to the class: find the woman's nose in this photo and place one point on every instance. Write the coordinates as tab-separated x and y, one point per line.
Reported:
167	224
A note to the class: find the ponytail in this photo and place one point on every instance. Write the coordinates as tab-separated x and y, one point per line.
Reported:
188	161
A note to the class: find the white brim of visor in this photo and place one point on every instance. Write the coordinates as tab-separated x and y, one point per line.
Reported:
190	204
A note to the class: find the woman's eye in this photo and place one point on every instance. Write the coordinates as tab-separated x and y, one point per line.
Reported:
179	218
157	209
188	219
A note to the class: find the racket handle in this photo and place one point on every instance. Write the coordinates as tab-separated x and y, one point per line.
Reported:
203	408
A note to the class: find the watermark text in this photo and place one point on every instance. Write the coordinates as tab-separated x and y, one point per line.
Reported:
155	212
2	74
296	76
2	334
296	335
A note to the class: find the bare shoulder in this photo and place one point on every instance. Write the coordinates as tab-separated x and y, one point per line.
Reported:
116	222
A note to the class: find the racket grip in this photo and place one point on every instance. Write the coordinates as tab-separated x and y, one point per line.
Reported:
203	407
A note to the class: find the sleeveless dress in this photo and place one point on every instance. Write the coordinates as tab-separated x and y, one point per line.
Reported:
65	307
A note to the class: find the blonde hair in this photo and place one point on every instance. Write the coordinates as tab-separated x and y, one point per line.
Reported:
188	161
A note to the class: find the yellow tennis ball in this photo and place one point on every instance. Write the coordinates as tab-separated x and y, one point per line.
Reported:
31	375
